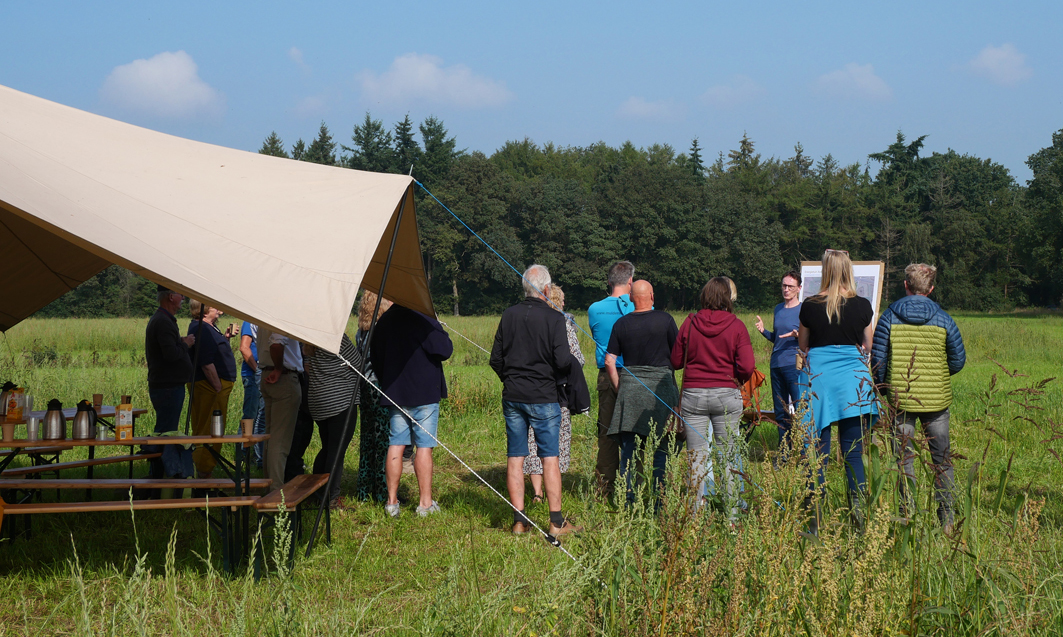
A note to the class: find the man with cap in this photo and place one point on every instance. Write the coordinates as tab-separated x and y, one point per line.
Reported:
169	368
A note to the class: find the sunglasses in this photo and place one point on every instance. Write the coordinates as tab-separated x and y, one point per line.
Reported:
845	252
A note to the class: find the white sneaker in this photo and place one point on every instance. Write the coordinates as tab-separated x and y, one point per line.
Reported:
393	509
426	511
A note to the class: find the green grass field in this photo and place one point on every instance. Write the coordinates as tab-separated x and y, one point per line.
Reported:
680	572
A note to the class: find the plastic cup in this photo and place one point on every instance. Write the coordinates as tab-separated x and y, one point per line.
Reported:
8	429
247	425
33	428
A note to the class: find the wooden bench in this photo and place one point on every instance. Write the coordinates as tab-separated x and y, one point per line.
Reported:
29	484
291	498
29	508
293	493
76	464
226	526
32	451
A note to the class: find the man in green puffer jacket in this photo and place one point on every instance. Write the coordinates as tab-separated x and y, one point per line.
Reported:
916	350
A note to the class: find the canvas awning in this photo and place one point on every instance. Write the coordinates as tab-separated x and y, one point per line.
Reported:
279	242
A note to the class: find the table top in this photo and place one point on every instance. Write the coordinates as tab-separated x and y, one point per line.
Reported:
107	411
139	440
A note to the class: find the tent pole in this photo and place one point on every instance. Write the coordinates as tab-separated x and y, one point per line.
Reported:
365	361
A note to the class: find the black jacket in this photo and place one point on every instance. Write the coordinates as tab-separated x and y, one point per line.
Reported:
169	364
530	354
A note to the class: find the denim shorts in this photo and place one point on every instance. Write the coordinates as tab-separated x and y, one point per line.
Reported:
403	429
545	422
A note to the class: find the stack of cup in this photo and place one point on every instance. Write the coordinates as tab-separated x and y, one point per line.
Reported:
33	428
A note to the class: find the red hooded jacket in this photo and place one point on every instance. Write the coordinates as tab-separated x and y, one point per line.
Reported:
718	350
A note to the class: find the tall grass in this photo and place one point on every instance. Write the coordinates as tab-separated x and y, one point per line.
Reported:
637	572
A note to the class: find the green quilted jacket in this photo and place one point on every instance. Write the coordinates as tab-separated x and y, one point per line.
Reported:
916	350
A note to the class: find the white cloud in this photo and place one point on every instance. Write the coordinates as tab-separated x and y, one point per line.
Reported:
854	81
1002	65
166	85
424	78
741	90
295	55
640	108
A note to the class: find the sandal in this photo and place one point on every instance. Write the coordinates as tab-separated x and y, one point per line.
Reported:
537	499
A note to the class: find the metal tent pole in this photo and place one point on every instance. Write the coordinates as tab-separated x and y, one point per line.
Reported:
365	351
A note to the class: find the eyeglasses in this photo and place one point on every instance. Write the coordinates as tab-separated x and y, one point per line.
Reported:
787	286
845	252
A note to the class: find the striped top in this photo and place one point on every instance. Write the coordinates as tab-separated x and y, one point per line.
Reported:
331	381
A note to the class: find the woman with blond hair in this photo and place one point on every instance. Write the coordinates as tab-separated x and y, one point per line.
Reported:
533	464
376	429
834	333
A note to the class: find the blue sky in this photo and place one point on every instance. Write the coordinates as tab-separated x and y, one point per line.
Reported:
840	78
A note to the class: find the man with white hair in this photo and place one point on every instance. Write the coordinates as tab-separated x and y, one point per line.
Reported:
530	355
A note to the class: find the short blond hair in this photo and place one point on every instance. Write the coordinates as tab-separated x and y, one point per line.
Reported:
920	277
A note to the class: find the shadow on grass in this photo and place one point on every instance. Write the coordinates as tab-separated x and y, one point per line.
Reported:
106	541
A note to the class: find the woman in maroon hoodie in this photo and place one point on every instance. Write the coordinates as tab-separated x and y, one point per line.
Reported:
714	348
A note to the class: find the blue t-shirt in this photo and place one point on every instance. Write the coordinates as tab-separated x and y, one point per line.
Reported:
602	315
249	329
787	319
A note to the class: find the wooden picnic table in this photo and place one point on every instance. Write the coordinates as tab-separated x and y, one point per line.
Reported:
238	472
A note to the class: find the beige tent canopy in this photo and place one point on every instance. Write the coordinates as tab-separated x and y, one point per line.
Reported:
283	243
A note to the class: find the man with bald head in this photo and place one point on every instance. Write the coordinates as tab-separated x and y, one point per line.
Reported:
644	340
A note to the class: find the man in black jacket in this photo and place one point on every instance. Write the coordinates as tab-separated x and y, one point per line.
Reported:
530	354
169	368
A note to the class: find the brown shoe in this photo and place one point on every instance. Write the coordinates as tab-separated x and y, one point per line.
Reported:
566	528
519	528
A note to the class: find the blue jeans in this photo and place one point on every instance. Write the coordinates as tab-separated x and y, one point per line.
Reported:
851	438
785	389
544	419
405	432
168	403
255	407
629	441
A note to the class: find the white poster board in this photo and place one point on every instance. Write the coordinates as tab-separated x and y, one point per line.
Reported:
868	276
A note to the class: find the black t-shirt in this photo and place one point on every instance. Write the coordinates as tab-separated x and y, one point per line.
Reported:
644	338
856	314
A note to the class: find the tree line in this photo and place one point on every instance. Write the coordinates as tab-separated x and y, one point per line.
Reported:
997	244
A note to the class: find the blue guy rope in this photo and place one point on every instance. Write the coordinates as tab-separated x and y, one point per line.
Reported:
521	275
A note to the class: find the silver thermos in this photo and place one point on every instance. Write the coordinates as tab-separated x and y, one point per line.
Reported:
84	422
54	426
217	424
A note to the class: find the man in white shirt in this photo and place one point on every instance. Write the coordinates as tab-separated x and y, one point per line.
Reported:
281	362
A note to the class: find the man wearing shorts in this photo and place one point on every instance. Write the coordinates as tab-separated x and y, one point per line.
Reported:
530	354
407	352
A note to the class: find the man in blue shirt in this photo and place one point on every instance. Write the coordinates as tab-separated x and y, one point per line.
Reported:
602	315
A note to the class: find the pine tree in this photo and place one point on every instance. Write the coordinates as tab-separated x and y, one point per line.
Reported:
322	150
299	149
407	151
273	146
372	147
439	152
697	166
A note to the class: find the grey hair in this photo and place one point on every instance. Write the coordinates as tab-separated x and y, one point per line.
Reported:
161	296
619	274
536	280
